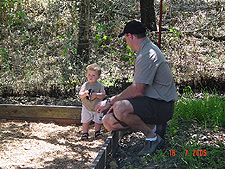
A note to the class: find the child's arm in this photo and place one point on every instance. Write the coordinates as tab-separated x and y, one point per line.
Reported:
83	92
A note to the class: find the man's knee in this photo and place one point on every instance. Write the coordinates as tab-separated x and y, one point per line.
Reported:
105	121
109	122
122	108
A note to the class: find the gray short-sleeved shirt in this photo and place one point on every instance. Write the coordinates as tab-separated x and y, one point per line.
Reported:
96	88
151	68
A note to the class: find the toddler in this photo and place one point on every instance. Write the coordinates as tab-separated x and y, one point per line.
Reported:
91	93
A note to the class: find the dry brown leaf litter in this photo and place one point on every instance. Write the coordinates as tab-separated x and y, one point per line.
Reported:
42	145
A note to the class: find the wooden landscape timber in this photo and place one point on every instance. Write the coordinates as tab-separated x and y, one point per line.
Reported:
58	114
107	151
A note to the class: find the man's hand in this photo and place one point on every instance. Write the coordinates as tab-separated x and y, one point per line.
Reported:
102	106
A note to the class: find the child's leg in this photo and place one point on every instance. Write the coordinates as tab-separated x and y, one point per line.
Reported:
98	130
97	127
86	118
85	127
98	123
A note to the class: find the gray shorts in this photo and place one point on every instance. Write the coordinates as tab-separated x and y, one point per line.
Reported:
151	111
87	116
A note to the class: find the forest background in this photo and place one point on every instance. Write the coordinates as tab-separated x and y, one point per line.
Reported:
40	57
40	39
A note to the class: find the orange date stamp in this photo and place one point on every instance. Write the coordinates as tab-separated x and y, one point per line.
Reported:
197	152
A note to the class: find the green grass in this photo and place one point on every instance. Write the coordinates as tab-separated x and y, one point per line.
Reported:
191	140
207	109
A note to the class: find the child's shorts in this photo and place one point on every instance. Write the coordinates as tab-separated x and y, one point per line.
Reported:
87	115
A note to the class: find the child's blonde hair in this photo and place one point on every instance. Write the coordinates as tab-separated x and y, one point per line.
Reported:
94	67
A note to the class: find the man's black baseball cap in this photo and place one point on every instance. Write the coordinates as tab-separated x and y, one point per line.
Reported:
133	27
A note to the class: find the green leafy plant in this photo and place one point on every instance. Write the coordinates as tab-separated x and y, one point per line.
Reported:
102	39
205	107
128	56
69	40
175	32
4	59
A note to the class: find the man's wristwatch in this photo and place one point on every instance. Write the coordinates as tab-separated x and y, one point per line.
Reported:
108	101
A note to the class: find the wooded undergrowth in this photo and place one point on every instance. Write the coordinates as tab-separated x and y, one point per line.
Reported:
39	42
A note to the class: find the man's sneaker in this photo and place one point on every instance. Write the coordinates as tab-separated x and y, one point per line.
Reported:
151	146
161	130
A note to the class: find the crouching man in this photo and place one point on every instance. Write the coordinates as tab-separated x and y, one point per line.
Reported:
149	100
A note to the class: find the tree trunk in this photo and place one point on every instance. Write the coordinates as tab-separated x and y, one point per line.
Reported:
83	38
148	14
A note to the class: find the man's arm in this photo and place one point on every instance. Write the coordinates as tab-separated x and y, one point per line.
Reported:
134	90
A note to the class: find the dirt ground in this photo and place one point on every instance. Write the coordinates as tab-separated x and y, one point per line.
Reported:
46	145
